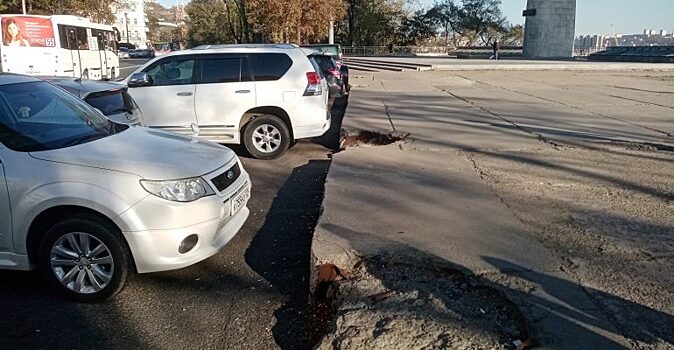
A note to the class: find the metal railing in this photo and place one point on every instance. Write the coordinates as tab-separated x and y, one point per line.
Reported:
394	50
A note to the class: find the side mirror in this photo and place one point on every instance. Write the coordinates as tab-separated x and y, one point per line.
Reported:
140	79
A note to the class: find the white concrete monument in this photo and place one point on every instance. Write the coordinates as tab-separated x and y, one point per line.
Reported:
550	28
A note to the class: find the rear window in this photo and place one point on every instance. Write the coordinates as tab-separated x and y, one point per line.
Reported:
326	49
111	102
269	66
326	63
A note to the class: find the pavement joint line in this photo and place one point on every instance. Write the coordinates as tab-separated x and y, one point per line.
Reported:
643	90
387	109
640	101
540	137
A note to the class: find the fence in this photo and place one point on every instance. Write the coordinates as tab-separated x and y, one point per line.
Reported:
394	50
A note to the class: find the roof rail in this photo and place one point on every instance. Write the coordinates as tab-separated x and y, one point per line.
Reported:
245	46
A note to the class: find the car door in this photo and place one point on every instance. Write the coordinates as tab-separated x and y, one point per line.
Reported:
6	242
168	103
224	92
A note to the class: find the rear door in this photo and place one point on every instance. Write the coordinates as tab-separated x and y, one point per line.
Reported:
6	244
224	92
169	102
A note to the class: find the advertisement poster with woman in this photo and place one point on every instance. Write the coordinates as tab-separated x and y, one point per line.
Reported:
27	31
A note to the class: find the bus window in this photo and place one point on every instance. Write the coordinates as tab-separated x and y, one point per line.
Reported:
112	41
72	39
63	36
82	42
101	38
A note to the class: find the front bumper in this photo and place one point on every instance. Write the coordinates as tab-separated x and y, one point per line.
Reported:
167	224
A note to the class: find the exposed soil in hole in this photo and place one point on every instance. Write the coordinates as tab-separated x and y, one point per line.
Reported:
414	302
353	138
647	147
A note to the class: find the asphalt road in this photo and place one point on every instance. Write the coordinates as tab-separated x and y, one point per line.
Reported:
251	295
128	66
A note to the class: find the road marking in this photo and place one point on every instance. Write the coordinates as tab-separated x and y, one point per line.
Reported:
129	67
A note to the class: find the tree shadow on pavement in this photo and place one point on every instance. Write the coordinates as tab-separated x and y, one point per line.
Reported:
551	301
647	325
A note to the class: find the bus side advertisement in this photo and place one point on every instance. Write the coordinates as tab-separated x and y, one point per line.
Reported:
27	31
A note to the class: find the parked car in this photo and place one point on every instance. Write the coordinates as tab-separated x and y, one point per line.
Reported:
334	50
88	201
112	99
138	53
123	53
329	69
262	96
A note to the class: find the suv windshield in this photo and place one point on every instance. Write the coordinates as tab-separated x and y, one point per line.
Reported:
38	116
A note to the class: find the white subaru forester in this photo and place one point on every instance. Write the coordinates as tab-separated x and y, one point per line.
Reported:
263	96
87	200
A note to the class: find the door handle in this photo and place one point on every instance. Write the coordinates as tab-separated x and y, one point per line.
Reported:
184	94
242	91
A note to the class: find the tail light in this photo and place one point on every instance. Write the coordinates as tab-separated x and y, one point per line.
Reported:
314	87
335	72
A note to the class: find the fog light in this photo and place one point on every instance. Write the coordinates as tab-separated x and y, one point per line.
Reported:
188	243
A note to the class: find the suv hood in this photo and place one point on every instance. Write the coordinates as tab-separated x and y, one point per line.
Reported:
150	154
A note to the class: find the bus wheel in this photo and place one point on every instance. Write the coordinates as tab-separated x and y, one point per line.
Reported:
85	74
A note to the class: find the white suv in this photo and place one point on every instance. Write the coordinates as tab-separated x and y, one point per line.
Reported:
88	201
264	96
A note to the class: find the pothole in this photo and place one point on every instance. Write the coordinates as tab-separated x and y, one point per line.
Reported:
416	302
355	138
643	146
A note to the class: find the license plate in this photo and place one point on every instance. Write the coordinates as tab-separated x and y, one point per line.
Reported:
240	199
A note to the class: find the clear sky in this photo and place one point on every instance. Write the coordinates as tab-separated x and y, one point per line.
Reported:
609	16
592	16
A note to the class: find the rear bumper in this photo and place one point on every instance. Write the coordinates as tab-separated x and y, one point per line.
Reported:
313	130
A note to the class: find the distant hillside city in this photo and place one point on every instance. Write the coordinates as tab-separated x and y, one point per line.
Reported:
598	42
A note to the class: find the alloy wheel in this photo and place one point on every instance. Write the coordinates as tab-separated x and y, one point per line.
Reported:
82	263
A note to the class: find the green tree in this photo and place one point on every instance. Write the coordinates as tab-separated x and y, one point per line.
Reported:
416	28
471	22
208	23
156	13
372	22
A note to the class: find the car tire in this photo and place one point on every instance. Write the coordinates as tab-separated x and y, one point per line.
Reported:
84	258
266	137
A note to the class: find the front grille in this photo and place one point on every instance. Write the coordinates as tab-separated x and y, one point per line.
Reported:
227	178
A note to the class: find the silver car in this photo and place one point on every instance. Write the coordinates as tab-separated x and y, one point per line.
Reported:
88	201
111	98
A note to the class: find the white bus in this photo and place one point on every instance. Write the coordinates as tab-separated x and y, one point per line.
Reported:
58	46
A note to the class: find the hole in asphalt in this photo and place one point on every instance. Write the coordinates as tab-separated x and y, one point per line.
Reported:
354	138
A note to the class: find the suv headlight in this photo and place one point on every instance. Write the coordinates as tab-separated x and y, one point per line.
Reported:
185	190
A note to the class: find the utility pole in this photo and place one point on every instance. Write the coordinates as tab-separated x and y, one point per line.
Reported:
331	36
126	21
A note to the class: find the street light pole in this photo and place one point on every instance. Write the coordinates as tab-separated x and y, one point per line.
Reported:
126	20
23	6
